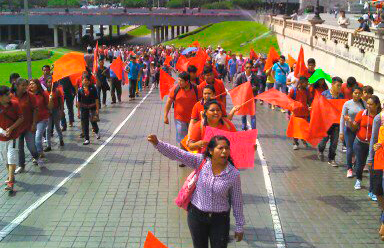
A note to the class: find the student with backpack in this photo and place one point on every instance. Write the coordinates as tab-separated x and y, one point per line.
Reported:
183	96
301	94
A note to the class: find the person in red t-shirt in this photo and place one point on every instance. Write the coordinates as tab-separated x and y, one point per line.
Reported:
42	99
301	94
363	125
221	93
11	120
348	87
27	103
213	117
184	95
56	105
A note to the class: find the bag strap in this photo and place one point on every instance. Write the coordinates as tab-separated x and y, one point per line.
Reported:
281	68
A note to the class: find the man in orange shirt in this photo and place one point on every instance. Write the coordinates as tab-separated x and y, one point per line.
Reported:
348	87
217	84
184	95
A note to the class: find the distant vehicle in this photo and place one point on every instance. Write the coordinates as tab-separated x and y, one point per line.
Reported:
11	47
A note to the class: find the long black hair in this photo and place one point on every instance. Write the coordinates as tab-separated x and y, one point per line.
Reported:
40	89
206	107
213	143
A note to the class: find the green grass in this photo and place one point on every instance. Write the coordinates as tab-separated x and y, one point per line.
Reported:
114	28
140	31
230	35
21	67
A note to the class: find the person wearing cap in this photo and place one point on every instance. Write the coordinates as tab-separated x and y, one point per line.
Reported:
364	27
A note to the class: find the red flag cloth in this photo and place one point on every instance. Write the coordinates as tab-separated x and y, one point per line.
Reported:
301	69
166	83
242	145
272	56
291	61
243	95
199	61
117	67
276	97
152	242
95	58
195	44
252	54
182	63
125	79
69	64
298	128
167	61
379	154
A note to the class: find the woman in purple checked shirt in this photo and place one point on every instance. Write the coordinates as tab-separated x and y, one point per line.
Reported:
217	189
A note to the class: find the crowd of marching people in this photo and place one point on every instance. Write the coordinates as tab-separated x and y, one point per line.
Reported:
32	110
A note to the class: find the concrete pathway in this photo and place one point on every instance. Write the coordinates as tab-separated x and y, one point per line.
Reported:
126	189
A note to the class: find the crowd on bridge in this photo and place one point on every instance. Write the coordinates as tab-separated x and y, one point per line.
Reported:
31	110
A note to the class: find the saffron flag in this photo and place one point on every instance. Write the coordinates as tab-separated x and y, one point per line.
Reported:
182	63
242	95
95	58
69	64
242	145
301	69
291	61
276	97
117	67
168	60
152	242
272	57
379	154
252	54
199	61
298	128
183	142
166	83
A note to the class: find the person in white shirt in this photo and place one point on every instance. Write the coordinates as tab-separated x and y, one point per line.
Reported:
343	21
221	60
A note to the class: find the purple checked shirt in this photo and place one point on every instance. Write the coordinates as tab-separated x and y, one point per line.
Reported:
213	193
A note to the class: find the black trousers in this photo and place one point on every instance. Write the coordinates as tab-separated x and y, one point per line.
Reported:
132	87
102	99
116	89
205	226
333	136
85	113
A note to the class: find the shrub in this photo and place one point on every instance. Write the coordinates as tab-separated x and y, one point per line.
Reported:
63	4
218	5
247	4
135	3
22	56
185	3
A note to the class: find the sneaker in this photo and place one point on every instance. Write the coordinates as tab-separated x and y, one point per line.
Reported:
366	168
350	173
71	124
333	163
61	142
42	155
320	156
48	149
9	186
374	198
181	165
64	129
19	169
344	149
86	142
273	107
113	102
370	195
358	184
81	135
98	136
295	147
305	143
45	140
34	162
261	102
283	111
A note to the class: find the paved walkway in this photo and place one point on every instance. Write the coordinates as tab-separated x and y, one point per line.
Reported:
127	189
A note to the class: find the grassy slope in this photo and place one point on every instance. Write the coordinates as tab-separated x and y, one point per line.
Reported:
21	67
114	28
230	35
140	31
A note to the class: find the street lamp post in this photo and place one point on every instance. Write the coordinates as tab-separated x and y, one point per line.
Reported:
316	18
27	39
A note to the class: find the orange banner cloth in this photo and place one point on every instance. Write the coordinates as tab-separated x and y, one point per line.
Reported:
182	63
252	54
195	44
276	97
168	60
95	58
152	242
272	56
199	61
243	95
69	64
291	61
166	83
298	128
301	69
117	67
379	154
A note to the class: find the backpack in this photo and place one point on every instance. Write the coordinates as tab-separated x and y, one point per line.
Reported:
178	89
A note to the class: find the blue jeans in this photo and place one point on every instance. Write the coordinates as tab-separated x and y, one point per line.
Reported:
361	152
30	140
40	130
181	130
281	87
349	138
55	119
244	125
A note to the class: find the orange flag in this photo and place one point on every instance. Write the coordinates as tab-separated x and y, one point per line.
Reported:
243	95
152	242
272	56
252	54
117	67
195	44
182	63
379	154
301	69
95	58
199	61
298	128
166	83
69	64
168	60
291	61
276	97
